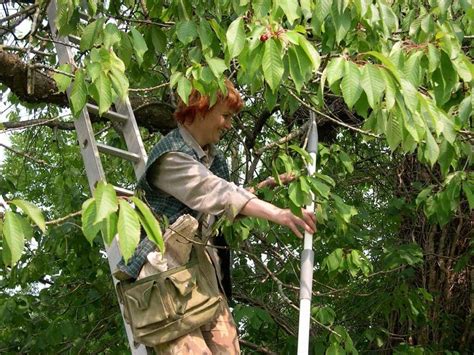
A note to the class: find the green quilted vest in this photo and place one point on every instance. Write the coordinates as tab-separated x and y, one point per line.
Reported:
163	204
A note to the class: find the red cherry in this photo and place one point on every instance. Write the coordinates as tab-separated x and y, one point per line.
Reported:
264	37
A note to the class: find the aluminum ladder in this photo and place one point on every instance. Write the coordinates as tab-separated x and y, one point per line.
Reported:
123	119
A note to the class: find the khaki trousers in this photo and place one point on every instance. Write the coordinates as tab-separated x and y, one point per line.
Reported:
219	337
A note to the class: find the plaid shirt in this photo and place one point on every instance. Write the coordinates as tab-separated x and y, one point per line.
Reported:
163	204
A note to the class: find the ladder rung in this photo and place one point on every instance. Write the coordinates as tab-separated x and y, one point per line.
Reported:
107	149
74	39
83	16
123	192
111	115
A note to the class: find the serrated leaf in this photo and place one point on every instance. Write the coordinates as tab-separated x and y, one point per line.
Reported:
433	57
125	50
335	70
346	211
78	93
63	81
139	45
412	69
149	223
467	188
88	217
346	161
350	84
206	35
320	187
108	227
311	52
291	9
33	212
117	76
431	148
373	84
217	66
111	35
390	88
105	201
184	89
159	39
295	194
103	92
393	132
92	34
236	37
272	64
186	31
128	228
13	234
386	62
295	69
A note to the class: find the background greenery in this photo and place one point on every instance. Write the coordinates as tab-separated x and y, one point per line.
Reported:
391	85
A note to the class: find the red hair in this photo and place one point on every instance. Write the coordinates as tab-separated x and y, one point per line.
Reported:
199	104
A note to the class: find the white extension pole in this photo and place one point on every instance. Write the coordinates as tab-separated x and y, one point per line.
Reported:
307	255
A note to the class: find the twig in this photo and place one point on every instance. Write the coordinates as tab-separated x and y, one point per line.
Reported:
26	11
255	347
42	66
145	22
62	219
283	140
25	155
331	118
150	88
25	50
38	122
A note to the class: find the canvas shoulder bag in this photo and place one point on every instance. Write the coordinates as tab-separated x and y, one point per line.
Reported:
169	304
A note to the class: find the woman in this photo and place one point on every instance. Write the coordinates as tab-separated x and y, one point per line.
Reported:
187	174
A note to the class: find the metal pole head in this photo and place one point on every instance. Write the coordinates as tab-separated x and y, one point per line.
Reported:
312	134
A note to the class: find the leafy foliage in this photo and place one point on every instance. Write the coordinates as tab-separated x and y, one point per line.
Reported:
391	83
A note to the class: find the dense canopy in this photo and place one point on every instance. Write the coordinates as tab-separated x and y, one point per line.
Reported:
390	83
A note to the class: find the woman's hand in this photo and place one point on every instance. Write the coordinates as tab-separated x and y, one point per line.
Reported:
258	208
287	218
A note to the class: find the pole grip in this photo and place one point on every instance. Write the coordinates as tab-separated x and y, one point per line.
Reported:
306	282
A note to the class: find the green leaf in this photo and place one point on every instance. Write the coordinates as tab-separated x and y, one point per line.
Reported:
346	211
108	227
89	228
433	57
159	39
63	81
272	64
335	349
291	9
78	93
467	188
149	223
217	66
184	89
444	78
128	228
33	212
446	155
326	315
92	34
105	201
319	187
206	35
346	161
390	88
431	148
373	84
296	195
111	35
236	37
261	7
295	69
342	23
186	31
117	76
350	84
125	49
335	69
334	260
412	69
311	52
386	62
139	45
14	235
103	92
393	132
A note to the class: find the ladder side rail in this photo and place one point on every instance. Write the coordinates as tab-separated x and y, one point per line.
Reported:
132	136
93	165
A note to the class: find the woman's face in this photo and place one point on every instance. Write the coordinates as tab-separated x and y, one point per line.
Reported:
215	123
